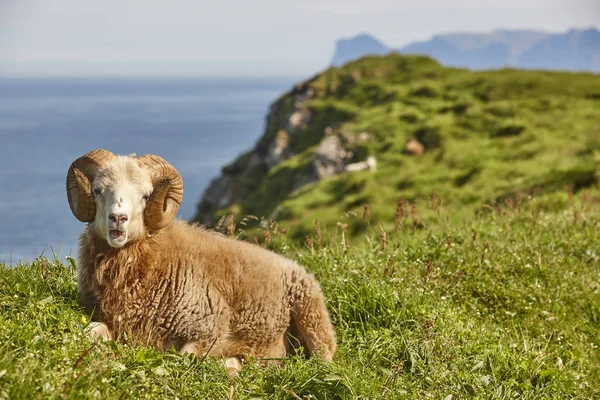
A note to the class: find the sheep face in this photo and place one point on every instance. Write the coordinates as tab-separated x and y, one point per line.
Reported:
121	191
123	197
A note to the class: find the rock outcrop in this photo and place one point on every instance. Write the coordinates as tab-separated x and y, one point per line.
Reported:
330	157
278	150
291	129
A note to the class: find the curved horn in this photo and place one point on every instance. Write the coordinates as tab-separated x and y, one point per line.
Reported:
166	197
79	183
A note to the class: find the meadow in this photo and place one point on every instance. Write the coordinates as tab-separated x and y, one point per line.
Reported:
504	305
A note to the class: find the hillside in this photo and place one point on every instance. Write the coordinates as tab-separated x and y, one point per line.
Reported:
489	137
576	49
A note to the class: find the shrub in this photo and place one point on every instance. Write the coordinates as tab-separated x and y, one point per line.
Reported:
509	129
429	136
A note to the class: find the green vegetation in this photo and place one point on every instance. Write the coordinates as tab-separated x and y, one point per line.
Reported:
502	306
487	135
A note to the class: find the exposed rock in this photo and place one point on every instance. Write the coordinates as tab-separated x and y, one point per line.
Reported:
254	161
365	137
301	94
414	147
243	163
356	75
330	157
287	119
287	116
220	192
278	149
298	120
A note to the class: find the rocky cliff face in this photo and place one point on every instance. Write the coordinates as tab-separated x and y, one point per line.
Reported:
293	126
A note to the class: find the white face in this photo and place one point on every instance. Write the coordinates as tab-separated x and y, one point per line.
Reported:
121	191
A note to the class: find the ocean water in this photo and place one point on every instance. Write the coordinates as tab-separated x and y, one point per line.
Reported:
198	125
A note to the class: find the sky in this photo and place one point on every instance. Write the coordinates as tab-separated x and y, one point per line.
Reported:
243	37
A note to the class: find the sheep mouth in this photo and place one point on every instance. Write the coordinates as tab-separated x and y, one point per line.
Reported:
117	235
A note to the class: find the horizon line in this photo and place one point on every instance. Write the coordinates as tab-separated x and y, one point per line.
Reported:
147	76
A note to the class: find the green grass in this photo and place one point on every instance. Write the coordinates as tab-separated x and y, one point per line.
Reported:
502	305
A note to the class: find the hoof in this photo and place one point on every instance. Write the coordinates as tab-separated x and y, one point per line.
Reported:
233	366
97	330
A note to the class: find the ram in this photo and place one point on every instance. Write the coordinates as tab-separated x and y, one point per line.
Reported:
153	279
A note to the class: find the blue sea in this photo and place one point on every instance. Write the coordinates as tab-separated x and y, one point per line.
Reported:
198	125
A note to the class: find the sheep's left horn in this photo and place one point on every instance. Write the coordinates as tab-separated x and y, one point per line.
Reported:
79	180
166	197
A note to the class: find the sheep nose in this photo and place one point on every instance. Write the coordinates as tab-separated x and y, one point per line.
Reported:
118	218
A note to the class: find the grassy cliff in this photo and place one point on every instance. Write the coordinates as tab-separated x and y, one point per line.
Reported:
488	137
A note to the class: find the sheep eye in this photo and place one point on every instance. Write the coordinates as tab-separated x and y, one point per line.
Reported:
97	191
145	197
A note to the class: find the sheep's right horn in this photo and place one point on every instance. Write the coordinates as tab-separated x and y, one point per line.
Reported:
79	183
166	197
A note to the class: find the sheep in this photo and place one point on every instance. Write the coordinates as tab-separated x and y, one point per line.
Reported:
156	280
369	164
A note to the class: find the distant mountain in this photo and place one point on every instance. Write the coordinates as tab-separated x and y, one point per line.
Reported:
573	50
484	55
356	47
